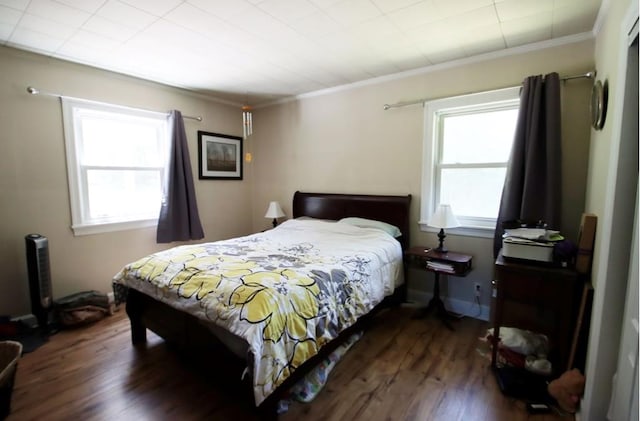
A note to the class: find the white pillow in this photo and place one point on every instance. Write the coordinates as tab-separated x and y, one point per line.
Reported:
310	218
392	230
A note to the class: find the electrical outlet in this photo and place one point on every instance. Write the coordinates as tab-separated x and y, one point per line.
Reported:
476	289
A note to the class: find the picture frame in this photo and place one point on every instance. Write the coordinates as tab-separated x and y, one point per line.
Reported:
219	156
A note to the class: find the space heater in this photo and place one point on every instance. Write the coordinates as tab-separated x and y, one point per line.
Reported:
39	278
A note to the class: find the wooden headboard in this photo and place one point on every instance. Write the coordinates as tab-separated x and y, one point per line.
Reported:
390	209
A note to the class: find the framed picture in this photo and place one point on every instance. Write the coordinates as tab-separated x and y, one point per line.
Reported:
219	156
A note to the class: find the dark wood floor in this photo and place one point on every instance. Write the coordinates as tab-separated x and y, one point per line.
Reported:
402	369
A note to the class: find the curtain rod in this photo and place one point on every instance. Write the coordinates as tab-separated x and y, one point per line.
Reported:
36	91
589	75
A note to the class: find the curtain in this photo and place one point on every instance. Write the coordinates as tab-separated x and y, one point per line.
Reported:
179	219
531	190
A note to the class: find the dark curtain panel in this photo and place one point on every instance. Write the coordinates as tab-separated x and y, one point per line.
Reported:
179	219
531	190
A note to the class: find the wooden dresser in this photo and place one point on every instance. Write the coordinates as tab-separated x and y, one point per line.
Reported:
543	299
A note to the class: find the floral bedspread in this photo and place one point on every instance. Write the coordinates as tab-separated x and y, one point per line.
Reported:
287	291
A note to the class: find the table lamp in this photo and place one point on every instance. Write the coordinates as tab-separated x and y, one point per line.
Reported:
274	211
443	218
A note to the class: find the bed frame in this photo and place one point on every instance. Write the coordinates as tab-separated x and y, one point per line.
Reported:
188	334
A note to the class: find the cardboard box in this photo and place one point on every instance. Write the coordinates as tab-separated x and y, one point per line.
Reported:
586	240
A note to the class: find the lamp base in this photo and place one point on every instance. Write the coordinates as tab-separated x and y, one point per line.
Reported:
275	222
441	248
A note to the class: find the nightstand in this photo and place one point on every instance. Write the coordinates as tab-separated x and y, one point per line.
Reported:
450	263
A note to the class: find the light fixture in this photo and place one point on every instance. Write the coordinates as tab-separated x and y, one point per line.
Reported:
443	218
247	121
274	211
247	128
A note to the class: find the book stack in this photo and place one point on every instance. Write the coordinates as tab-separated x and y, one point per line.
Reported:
447	267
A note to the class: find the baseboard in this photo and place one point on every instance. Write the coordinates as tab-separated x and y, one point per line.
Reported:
466	308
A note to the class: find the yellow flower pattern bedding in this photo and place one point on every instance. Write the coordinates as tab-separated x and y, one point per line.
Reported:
286	291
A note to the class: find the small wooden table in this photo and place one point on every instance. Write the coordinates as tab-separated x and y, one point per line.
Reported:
449	263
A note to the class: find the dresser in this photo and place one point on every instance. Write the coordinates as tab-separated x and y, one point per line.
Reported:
543	299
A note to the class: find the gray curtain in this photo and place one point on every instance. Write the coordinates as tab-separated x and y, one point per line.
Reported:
179	219
532	186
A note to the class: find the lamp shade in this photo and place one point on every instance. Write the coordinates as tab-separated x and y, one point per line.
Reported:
274	211
443	218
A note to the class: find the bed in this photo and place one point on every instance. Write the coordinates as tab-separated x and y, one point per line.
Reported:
280	300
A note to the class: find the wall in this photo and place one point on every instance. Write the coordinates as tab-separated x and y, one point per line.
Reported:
344	141
613	163
34	194
340	142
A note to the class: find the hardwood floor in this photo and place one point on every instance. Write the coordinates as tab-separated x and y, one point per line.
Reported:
402	369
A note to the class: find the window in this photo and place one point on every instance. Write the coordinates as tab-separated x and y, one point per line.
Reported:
116	158
467	144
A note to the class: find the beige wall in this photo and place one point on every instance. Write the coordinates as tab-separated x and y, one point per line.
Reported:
34	195
345	142
339	142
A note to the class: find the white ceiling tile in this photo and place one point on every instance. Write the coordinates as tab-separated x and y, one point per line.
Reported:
9	16
87	5
89	39
83	53
107	28
376	27
45	26
416	15
528	29
15	4
477	18
189	16
323	4
353	12
374	65
568	20
389	41
126	15
387	6
155	7
222	8
287	11
5	31
523	38
264	26
484	46
450	29
514	9
591	5
58	12
481	34
35	41
316	24
176	38
449	8
449	54
412	62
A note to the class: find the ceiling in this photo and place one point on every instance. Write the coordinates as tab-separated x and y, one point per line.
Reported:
259	51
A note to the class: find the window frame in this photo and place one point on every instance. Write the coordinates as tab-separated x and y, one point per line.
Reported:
507	98
81	223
